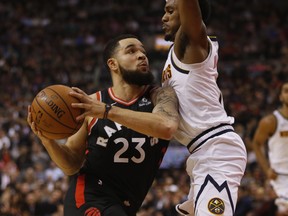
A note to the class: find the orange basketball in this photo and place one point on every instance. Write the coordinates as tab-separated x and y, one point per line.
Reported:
52	112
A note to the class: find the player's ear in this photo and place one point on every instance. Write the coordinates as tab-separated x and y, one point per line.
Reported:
112	64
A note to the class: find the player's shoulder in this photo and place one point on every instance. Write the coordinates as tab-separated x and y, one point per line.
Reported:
162	89
96	95
268	119
213	38
100	94
269	122
163	93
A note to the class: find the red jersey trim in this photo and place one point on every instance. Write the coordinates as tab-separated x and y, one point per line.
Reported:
127	103
79	192
94	120
98	96
91	124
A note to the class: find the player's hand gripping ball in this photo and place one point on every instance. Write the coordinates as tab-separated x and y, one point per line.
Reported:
52	112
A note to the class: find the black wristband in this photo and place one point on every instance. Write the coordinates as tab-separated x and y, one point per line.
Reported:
107	109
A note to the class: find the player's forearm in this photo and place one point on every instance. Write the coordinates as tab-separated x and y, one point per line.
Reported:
65	159
147	123
190	15
262	161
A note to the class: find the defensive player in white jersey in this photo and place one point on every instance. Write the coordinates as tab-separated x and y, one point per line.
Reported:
218	155
273	129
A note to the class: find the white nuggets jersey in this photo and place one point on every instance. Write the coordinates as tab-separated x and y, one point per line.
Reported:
278	145
200	99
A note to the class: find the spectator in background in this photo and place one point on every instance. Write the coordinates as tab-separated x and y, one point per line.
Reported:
34	54
5	141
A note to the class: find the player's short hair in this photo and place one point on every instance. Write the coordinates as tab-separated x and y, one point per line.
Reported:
285	81
205	7
111	46
280	89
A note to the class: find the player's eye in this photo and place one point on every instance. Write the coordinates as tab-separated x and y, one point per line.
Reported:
169	10
131	51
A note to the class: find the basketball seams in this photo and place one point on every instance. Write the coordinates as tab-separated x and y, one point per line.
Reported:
52	115
68	107
59	121
78	124
45	132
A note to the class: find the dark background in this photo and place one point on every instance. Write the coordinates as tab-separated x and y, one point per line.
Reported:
61	42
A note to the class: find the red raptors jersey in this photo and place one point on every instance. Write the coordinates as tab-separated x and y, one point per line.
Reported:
119	162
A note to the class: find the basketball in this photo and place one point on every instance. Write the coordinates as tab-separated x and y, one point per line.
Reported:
53	114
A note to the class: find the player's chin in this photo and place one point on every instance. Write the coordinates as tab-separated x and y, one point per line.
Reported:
168	37
166	33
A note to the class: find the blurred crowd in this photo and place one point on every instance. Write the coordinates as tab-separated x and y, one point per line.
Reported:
60	42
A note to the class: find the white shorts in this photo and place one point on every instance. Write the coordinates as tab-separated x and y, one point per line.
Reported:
280	186
216	170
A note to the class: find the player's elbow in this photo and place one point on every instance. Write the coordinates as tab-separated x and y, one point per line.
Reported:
71	171
73	167
168	130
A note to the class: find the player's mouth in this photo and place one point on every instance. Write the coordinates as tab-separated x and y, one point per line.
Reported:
143	66
164	27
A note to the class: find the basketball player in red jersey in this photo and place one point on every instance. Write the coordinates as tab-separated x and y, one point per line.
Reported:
112	166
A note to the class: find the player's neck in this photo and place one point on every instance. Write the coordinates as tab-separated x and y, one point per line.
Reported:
284	111
127	92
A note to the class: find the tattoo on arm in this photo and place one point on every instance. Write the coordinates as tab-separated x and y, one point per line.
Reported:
166	102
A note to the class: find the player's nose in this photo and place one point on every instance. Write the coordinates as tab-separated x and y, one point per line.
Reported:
164	18
141	56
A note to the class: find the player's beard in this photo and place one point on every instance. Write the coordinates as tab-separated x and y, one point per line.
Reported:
169	37
136	77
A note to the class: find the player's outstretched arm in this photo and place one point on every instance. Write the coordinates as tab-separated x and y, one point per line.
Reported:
191	20
192	33
161	123
68	157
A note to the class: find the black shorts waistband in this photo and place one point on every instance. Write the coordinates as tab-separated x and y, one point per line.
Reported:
208	134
